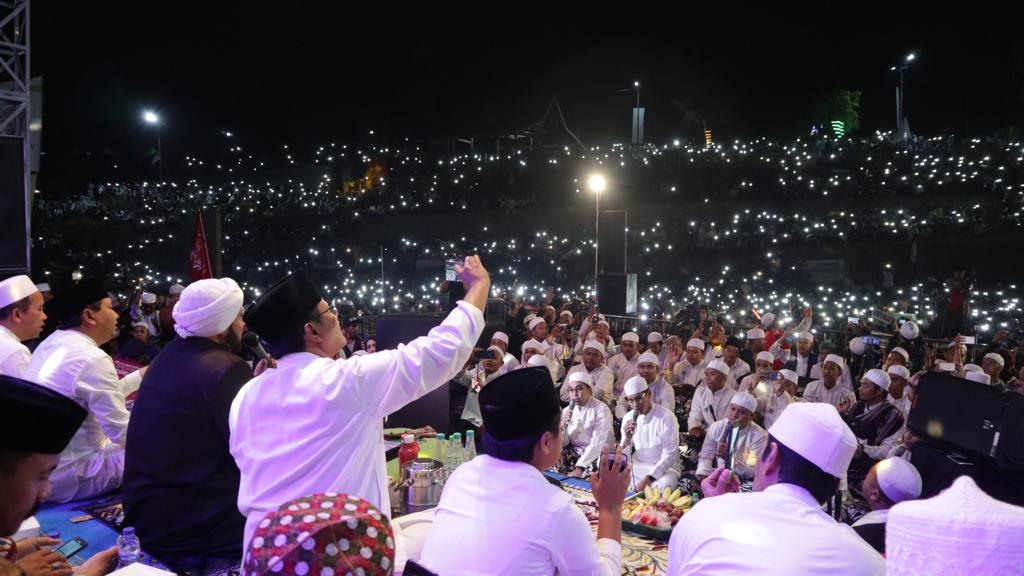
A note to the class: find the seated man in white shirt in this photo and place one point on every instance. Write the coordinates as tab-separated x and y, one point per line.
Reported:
624	364
588	424
830	389
899	397
711	399
651	434
735	441
688	371
555	353
779	528
601	377
475	378
505	517
533	349
763	365
888	483
731	356
21	318
774	397
509	362
661	393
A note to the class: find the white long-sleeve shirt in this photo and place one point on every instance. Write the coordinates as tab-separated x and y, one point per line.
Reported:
623	369
684	373
314	424
771	405
508	364
750	442
654	446
778	531
590	430
507	520
602	378
708	407
661	394
14	356
817	392
474	379
69	362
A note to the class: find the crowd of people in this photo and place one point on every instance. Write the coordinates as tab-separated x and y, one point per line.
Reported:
225	463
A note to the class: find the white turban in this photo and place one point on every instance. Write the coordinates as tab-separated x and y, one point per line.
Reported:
755	334
207	307
995	358
789	375
765	356
536	361
857	345
603	323
635	385
909	330
744	400
898	479
148	298
631	337
580	376
175	289
532	344
654	337
529	318
767	319
901	371
594	345
719	366
837	360
536	322
696	343
16	289
902	352
649	358
878	378
500	337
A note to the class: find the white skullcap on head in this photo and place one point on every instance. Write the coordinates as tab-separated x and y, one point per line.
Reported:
142	324
979	377
816	431
857	345
765	356
898	479
720	366
902	352
901	371
537	361
549	307
630	337
565	313
909	330
15	289
837	360
878	378
649	358
755	334
580	376
207	307
744	400
789	375
529	318
594	345
532	344
497	350
43	287
995	358
604	323
148	298
807	336
696	343
175	289
960	531
635	385
768	319
536	322
500	337
654	337
972	368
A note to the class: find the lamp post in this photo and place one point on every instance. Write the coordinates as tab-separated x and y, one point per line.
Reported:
597	185
151	118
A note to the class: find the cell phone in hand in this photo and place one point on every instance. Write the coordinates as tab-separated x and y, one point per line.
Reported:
72	547
486	355
970	340
623	461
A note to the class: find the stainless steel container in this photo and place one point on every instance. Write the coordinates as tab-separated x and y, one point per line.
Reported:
421	490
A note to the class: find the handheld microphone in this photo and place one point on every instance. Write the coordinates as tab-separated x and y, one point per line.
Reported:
572	405
251	340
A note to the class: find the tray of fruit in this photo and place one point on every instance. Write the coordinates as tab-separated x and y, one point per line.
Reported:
655	512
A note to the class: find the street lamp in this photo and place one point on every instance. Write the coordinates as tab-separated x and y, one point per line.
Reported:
899	91
636	84
597	185
151	118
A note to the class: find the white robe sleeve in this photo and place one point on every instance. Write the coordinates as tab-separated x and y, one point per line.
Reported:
602	430
576	553
16	363
669	450
708	451
103	394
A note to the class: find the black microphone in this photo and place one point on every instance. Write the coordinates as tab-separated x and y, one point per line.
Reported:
251	340
572	405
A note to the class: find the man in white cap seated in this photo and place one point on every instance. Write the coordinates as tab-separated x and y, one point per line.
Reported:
738	367
829	389
804	361
898	357
661	393
763	363
167	312
656	346
960	531
755	344
70	362
992	364
556	353
21	318
773	399
651	434
588	426
533	355
475	378
601	377
508	362
599	332
780	528
180	486
899	378
735	441
689	370
44	289
877	424
711	400
888	483
624	364
144	310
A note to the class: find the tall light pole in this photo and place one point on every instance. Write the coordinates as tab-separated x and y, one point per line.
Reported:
151	118
899	91
597	184
636	84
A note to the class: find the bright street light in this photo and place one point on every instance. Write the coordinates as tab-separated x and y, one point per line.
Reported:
150	117
597	183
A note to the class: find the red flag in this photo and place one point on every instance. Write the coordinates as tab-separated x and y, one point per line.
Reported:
199	259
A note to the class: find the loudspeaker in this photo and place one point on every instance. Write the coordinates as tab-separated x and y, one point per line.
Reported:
14	241
611	252
616	293
970	417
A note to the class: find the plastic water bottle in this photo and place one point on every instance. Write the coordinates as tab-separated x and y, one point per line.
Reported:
129	550
442	453
469	452
455	453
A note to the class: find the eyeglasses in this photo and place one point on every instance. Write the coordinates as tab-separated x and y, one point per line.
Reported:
332	309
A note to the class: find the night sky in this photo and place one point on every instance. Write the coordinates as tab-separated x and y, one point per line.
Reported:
317	72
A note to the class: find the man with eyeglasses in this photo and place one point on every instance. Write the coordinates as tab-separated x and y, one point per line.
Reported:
315	424
650	434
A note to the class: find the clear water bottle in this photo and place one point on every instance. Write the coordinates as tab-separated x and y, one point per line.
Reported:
455	451
129	550
442	453
469	452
